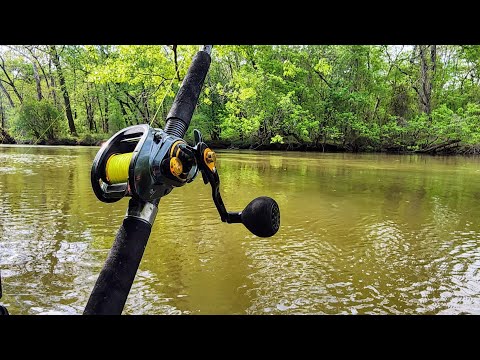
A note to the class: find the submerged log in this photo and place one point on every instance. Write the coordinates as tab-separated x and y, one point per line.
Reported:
438	147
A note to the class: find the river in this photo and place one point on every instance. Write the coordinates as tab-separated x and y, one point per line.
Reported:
360	234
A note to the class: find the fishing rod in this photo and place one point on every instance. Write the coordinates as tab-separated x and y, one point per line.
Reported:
3	309
145	164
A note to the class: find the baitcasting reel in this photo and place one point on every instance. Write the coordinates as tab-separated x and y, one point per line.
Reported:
147	163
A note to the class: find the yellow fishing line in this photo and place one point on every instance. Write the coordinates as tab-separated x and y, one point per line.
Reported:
117	168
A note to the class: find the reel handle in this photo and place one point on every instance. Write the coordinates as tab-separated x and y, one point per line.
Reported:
261	216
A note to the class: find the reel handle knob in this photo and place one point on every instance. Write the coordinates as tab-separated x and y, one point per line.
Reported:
262	216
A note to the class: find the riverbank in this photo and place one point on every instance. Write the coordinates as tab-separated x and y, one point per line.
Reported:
453	148
442	149
86	140
226	145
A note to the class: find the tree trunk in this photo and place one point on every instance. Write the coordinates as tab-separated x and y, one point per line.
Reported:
5	138
105	119
63	87
36	64
145	105
124	113
39	64
9	80
214	133
88	110
37	80
135	103
9	98
52	82
174	47
2	113
427	73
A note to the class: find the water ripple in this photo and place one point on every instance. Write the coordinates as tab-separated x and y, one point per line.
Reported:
360	235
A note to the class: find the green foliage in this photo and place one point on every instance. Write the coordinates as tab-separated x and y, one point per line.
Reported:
471	123
40	119
277	139
359	98
323	67
201	122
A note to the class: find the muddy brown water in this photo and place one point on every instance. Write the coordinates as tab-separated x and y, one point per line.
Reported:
360	234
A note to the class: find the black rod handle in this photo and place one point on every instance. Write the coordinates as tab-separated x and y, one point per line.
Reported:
3	309
180	114
115	280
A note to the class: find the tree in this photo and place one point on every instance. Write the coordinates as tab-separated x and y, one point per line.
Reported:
66	98
348	97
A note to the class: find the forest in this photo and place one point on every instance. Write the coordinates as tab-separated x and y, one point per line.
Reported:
393	98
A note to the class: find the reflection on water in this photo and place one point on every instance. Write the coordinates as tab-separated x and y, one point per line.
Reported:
360	234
